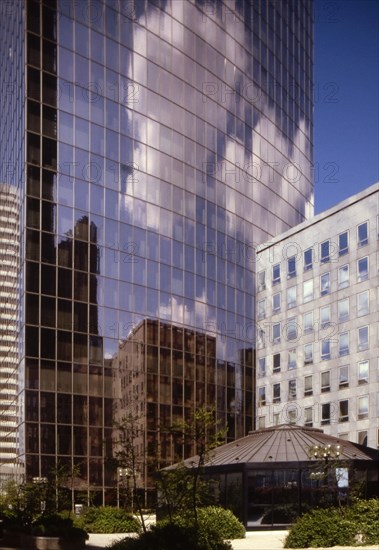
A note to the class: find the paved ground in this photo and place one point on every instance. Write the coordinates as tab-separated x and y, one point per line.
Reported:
255	540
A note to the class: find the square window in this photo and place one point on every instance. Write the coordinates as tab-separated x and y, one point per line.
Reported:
292	363
343	276
325	284
262	366
291	267
363	303
324	316
343	344
308	290
343	411
308	354
343	376
276	393
363	234
276	362
343	243
325	381
261	396
362	269
291	329
261	309
325	251
343	310
308	385
292	389
308	413
363	407
291	297
362	438
363	337
276	274
262	280
276	299
308	322
308	259
325	350
325	413
363	372
276	333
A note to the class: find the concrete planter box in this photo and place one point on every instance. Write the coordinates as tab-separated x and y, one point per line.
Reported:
24	542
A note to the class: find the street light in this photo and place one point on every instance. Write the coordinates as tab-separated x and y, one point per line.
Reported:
324	452
123	473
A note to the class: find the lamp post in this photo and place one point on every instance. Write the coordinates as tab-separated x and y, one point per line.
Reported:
42	482
123	473
324	452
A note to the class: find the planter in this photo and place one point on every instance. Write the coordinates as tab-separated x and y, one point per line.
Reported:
26	542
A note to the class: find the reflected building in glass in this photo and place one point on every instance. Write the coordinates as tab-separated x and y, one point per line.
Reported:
154	144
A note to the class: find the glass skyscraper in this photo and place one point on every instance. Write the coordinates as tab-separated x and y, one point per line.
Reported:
154	145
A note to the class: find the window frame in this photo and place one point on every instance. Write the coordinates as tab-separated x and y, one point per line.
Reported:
262	402
363	346
327	277
292	364
363	379
262	371
261	283
344	383
276	367
309	265
325	385
291	267
365	275
345	249
342	319
292	389
276	327
308	391
308	329
325	419
276	309
346	349
363	412
309	345
345	281
343	417
325	355
293	303
366	311
325	258
308	297
364	241
276	279
276	398
262	313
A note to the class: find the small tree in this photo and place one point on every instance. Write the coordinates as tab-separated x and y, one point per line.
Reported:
129	460
183	487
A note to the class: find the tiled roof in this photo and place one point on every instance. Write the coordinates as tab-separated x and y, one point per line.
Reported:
285	443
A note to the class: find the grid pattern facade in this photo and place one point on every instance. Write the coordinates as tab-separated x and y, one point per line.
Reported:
163	139
9	323
317	362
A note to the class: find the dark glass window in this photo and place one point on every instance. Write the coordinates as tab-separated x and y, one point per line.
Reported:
34	114
33	84
33	49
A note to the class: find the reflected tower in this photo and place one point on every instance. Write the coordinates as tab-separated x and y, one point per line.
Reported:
182	131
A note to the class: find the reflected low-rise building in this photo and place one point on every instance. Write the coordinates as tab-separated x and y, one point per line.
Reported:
317	307
162	374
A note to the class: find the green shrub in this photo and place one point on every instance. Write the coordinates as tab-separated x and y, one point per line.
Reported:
221	520
55	525
107	519
169	536
335	526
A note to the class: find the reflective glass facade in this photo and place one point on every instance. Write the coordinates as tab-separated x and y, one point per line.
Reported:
164	140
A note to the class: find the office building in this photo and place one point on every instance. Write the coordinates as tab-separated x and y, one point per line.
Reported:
9	326
158	142
317	309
